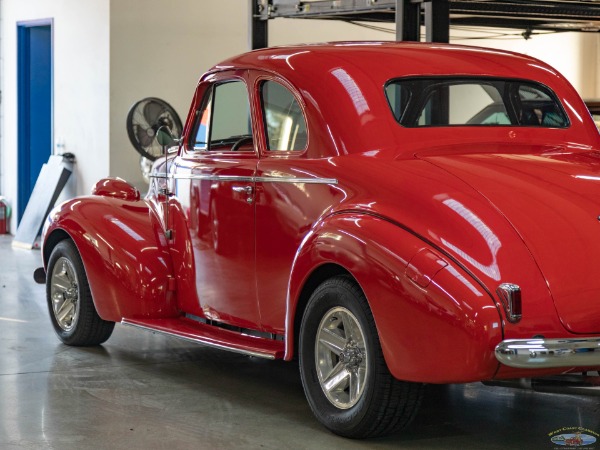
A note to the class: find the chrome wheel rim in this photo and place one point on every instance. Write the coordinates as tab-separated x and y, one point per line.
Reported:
341	358
64	294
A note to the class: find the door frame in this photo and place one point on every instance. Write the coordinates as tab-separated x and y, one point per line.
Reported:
23	110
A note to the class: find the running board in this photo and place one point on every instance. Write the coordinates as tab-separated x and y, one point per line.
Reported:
201	333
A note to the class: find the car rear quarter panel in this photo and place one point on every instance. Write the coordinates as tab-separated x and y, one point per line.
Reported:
443	332
391	209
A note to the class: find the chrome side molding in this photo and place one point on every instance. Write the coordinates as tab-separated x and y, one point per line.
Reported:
549	353
243	179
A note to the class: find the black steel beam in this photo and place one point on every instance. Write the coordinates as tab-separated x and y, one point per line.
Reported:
408	20
437	21
258	28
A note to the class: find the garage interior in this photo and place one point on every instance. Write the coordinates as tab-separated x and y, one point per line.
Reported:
144	390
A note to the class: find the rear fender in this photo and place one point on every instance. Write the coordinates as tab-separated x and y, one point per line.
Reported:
435	322
124	253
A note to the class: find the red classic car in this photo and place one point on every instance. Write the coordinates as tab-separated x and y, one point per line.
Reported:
391	214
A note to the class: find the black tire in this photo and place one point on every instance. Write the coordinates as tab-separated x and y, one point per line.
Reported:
70	303
384	405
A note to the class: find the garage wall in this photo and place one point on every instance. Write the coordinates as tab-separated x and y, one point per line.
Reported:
80	80
159	50
575	55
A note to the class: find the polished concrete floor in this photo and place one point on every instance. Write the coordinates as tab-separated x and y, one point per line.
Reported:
147	391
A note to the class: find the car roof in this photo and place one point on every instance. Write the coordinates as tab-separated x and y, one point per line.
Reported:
385	60
341	84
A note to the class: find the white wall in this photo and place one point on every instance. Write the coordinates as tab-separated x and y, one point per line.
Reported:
161	50
80	82
575	55
296	31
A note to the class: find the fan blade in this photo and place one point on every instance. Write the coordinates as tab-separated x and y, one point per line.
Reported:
152	111
136	117
143	137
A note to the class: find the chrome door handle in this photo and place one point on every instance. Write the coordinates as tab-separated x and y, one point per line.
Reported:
245	189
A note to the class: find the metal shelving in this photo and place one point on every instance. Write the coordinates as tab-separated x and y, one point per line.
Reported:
436	15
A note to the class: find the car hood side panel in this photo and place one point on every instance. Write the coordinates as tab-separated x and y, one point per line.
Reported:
551	197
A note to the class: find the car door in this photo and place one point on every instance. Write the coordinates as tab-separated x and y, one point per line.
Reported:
214	184
293	191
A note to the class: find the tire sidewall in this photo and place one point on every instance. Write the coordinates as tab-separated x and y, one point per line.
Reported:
328	296
66	249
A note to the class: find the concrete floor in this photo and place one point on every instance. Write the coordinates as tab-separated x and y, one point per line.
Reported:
141	390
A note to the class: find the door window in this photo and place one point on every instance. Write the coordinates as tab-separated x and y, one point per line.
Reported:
224	123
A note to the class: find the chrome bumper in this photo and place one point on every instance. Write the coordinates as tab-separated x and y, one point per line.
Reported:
549	353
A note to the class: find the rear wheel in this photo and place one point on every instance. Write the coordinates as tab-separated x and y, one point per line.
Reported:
70	303
345	378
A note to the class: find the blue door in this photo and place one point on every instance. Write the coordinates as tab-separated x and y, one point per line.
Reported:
34	105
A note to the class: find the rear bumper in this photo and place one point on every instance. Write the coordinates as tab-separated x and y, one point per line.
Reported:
549	353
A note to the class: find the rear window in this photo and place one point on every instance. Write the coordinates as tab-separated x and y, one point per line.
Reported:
435	102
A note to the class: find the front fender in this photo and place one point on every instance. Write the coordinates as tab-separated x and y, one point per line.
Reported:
124	253
435	322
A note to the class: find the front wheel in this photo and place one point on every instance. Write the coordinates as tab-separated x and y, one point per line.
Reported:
345	378
70	303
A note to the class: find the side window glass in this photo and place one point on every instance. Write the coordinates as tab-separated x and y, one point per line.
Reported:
224	123
464	103
537	108
285	125
398	97
469	101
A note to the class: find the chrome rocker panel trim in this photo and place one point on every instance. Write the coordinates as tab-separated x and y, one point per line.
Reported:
549	353
198	340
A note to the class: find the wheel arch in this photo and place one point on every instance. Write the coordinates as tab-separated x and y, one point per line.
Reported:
52	240
316	277
413	321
